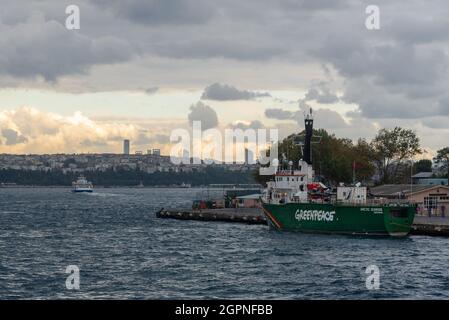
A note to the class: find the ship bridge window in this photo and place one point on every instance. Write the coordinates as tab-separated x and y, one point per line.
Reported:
399	213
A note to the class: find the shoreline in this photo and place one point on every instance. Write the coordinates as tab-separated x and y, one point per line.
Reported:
98	187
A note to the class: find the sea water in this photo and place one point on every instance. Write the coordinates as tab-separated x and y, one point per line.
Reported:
123	251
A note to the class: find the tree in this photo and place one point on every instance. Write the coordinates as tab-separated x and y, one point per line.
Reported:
424	165
392	148
333	158
362	155
442	158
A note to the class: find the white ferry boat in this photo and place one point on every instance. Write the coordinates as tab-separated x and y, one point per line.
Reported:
82	185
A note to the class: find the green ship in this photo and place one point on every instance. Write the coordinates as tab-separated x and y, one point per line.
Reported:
293	201
382	220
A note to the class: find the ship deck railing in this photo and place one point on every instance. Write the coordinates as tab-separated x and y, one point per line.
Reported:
368	202
376	202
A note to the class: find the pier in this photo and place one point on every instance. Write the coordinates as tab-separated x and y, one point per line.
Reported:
424	226
241	215
430	226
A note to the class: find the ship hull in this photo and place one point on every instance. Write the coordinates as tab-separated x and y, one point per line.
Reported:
82	190
379	220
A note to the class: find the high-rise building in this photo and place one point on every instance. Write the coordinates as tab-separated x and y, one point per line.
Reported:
249	156
126	146
157	152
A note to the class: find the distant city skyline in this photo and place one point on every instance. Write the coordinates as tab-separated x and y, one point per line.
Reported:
129	73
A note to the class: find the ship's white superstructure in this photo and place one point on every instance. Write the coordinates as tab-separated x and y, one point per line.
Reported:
289	185
82	185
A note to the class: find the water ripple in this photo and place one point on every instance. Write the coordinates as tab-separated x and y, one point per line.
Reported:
124	252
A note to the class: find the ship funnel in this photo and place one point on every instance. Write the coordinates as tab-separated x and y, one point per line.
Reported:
308	124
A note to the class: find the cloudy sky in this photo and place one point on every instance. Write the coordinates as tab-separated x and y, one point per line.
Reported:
138	69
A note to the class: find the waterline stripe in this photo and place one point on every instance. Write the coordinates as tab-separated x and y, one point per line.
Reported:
278	224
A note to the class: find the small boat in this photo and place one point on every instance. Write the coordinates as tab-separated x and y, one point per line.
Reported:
185	185
82	185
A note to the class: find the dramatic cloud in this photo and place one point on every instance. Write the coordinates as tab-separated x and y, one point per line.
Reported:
255	124
377	102
436	122
323	96
12	137
160	12
145	139
28	130
443	106
46	48
203	113
324	118
279	114
223	92
92	143
315	52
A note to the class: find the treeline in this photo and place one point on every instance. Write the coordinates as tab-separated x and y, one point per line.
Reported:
209	175
388	158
